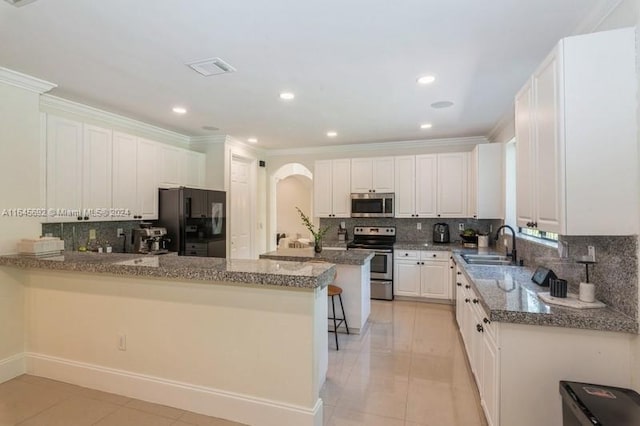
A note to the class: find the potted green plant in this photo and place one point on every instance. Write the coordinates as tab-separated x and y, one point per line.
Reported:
317	234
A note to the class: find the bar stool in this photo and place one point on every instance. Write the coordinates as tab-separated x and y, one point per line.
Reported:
332	292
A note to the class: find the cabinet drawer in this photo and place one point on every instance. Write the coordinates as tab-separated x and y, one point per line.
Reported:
407	254
435	255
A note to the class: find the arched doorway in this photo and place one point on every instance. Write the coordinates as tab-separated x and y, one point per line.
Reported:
291	186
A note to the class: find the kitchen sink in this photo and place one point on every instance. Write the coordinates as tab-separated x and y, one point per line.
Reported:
487	259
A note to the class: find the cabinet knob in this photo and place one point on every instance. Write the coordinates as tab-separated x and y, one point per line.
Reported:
406	254
467	286
475	301
79	217
459	273
86	218
480	328
434	255
417	263
535	224
450	267
467	300
486	320
438	215
459	284
417	215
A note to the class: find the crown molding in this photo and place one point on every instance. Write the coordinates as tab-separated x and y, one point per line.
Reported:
596	16
503	122
421	143
149	130
24	81
208	140
231	141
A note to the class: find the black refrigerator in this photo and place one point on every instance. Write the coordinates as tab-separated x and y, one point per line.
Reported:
196	221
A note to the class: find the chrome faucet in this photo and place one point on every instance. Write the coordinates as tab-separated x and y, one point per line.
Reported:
513	254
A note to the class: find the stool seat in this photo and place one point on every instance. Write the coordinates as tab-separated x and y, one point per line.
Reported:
333	290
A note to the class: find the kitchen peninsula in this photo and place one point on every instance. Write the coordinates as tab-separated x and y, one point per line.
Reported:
353	275
214	336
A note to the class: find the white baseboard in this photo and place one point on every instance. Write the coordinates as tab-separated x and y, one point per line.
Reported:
200	399
11	367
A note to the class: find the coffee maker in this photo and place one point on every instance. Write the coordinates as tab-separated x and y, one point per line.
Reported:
440	233
149	240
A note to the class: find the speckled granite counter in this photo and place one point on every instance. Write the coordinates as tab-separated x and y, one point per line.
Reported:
339	257
508	295
253	272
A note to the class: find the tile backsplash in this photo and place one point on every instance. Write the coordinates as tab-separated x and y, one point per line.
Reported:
406	229
106	233
615	274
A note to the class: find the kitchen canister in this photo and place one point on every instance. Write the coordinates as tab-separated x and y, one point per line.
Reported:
587	292
558	287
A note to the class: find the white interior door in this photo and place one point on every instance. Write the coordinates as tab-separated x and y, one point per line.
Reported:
240	215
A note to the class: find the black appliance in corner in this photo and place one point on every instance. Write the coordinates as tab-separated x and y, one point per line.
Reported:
195	220
441	233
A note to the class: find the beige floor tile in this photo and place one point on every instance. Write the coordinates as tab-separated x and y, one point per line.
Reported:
103	396
331	391
346	417
75	410
20	400
160	410
201	420
382	396
372	363
124	416
50	383
327	412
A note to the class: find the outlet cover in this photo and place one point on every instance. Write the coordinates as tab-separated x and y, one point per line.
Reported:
419	226
92	234
461	227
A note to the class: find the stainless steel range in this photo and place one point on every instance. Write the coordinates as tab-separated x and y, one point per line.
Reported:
378	239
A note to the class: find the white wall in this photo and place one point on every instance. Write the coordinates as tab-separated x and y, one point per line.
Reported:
20	187
293	191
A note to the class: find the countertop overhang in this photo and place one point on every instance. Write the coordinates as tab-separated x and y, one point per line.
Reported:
338	257
208	269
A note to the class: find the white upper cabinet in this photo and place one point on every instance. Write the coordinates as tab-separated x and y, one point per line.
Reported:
64	167
576	138
372	174
96	171
193	169
147	179
486	166
426	185
452	185
405	182
331	188
171	164
125	167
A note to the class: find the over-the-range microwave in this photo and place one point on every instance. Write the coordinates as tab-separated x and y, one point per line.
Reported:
372	204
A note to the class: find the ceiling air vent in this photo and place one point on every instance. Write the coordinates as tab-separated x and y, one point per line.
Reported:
209	67
19	3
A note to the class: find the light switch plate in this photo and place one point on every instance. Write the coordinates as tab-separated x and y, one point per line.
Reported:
92	234
461	227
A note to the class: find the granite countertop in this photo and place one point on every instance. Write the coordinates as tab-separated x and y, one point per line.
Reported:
508	295
241	271
339	257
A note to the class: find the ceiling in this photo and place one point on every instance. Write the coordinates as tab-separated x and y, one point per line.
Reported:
352	64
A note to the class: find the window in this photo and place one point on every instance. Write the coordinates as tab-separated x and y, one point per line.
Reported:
543	235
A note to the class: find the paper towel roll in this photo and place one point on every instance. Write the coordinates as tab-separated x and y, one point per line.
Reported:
587	292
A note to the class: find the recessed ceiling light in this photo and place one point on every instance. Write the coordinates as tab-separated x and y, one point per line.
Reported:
179	110
287	96
332	134
442	104
426	126
426	79
252	140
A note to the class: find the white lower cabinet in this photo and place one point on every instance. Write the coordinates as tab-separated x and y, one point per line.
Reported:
419	273
480	338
